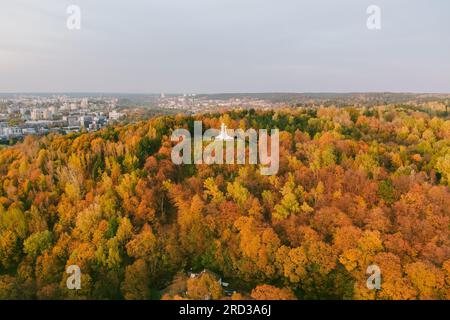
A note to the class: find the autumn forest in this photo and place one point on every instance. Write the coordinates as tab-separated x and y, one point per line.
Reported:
356	186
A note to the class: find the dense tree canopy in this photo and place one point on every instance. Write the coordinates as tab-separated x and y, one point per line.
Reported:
355	187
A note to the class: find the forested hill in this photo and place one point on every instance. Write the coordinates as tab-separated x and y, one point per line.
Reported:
356	187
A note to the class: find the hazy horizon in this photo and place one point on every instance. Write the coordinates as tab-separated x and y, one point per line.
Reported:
222	93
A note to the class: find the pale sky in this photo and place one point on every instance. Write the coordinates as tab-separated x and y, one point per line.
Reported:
211	46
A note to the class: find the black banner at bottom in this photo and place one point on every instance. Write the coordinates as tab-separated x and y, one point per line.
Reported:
219	309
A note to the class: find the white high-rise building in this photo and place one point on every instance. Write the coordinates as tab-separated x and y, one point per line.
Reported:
84	103
48	114
37	114
114	115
